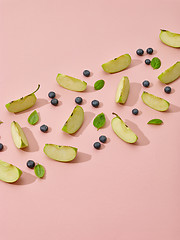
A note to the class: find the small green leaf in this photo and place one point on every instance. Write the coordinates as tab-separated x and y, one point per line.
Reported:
155	121
99	121
155	63
39	170
33	118
99	84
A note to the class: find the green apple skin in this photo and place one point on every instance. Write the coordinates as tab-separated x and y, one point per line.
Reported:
169	38
154	102
122	130
8	172
75	121
171	74
18	135
71	83
117	64
60	153
22	103
122	90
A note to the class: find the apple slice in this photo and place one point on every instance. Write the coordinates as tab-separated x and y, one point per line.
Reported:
8	172
122	130
154	102
75	121
22	103
122	90
60	153
18	135
71	83
117	64
169	38
170	74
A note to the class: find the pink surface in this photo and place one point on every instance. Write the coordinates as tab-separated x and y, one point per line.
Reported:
122	191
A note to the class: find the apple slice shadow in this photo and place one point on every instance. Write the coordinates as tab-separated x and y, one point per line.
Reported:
134	91
81	157
134	63
25	179
173	108
142	139
33	144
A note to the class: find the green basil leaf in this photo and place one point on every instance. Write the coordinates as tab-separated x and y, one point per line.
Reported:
99	84
39	170
155	63
99	121
33	118
155	121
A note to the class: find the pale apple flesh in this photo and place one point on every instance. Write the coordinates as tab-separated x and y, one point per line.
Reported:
117	64
154	102
169	38
122	90
18	135
75	121
60	153
171	74
8	172
71	83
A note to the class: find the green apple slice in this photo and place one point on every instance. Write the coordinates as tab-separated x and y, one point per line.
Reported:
117	64
170	74
60	153
169	38
22	103
18	135
8	172
122	130
71	83
75	121
122	90
154	102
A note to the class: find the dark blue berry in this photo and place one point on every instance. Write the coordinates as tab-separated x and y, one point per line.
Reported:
135	111
86	73
97	145
147	61
30	164
44	128
1	146
54	102
95	103
51	94
149	51
102	138
140	52
167	89
146	83
78	100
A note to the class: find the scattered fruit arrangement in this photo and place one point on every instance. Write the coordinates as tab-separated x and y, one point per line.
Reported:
9	173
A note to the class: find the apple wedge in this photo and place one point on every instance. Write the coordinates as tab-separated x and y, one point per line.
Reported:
71	83
22	103
154	102
122	130
122	90
75	121
171	74
60	153
169	38
18	135
117	64
8	172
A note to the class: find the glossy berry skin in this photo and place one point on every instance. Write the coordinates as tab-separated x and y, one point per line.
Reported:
102	138
147	61
95	103
167	89
135	111
54	101
1	146
146	83
51	94
78	100
30	164
44	128
149	51
97	145
86	73
140	52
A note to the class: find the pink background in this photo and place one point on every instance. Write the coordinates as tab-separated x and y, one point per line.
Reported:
122	191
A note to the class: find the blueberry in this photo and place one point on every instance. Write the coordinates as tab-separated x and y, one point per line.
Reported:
135	111
1	146
140	52
167	89
149	51
95	103
51	94
147	61
44	128
54	102
30	164
78	100
146	83
102	138
97	145
86	73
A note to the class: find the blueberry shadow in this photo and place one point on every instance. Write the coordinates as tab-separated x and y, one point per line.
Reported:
4	148
81	157
25	179
33	144
134	63
134	91
173	108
